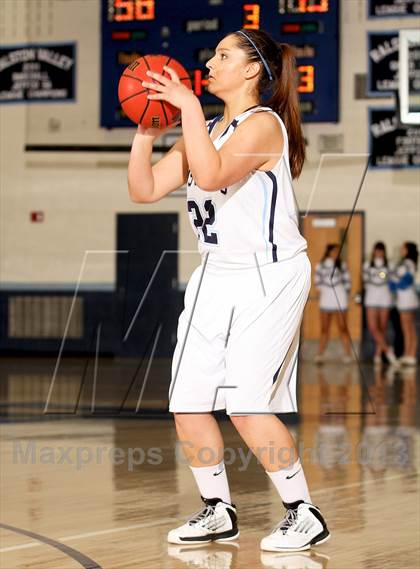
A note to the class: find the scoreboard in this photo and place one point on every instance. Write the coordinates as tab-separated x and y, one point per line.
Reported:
189	31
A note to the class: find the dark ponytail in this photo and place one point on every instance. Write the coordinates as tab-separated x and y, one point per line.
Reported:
284	97
285	102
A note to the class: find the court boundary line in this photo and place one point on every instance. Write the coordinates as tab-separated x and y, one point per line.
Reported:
78	556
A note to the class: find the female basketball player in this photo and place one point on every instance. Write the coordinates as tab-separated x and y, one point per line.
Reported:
403	283
332	278
238	334
378	301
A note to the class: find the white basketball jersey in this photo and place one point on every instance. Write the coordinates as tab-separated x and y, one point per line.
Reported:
255	219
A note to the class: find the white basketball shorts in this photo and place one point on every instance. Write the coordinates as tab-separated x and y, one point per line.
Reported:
238	338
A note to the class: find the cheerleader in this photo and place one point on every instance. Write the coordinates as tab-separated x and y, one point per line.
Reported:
332	279
378	301
403	283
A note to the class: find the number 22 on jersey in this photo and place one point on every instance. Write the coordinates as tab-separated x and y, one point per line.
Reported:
204	221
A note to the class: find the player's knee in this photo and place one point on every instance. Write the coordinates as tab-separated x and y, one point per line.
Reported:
190	420
241	421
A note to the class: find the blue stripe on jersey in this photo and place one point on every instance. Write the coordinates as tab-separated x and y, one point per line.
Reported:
272	212
234	123
225	131
213	122
276	375
264	216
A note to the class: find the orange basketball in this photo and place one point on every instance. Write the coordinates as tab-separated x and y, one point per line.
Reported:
133	96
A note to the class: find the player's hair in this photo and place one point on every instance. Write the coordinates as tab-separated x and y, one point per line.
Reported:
412	252
379	246
284	99
327	252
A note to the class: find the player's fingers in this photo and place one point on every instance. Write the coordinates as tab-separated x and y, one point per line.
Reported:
158	77
154	86
172	73
156	96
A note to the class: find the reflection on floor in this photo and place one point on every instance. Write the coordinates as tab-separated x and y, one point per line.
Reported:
81	467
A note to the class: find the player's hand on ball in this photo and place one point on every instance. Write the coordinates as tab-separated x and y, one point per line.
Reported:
170	90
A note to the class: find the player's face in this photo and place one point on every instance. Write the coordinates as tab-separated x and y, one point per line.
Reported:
226	67
379	253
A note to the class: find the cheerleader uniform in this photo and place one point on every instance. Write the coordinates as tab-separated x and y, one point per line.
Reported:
403	283
333	284
376	280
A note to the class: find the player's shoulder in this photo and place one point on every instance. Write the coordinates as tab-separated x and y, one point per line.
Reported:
260	129
262	118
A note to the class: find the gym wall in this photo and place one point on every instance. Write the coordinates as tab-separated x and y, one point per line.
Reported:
81	192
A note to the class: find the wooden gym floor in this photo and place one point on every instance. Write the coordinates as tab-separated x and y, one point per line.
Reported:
78	490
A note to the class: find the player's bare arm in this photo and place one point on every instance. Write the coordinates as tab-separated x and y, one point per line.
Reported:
248	149
148	184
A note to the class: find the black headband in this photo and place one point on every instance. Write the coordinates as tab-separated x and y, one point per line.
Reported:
259	53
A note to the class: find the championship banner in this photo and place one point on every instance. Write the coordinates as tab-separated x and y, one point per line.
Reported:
383	65
35	73
391	144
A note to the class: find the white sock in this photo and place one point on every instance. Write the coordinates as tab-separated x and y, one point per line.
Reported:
211	484
291	483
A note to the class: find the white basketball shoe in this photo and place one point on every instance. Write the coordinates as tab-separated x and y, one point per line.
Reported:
217	521
302	526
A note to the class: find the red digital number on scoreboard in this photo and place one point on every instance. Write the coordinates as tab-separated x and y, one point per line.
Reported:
303	6
306	78
313	5
251	16
198	82
133	10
